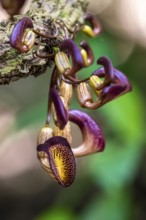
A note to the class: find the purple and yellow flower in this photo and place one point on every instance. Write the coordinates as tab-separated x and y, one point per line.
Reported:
54	149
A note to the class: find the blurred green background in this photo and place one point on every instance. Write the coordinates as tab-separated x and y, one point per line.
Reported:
110	185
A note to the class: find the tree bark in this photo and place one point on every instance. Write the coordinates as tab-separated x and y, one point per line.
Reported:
15	65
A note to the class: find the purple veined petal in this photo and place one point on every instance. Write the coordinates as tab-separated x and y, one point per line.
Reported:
16	38
61	112
93	139
70	47
96	26
57	159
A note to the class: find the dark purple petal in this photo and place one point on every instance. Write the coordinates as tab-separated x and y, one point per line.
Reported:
111	92
96	26
18	33
93	139
119	86
57	159
118	78
109	70
87	48
70	47
121	79
61	112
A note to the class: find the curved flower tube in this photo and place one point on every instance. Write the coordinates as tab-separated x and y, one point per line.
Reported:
93	139
87	53
57	159
18	33
119	86
109	71
95	28
83	94
61	112
70	47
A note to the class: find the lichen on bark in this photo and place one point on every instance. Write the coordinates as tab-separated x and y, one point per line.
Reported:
15	65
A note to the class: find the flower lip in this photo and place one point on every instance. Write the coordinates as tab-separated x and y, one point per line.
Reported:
93	139
56	140
70	47
57	158
61	112
16	38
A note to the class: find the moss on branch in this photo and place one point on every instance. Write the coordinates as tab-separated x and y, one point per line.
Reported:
15	65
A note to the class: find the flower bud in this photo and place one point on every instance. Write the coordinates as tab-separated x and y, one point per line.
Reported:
95	82
28	39
95	28
66	91
62	62
88	30
19	35
83	94
44	134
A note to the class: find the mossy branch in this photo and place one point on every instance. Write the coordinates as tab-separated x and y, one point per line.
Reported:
15	65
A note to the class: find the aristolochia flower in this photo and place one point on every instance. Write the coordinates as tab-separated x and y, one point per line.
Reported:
54	144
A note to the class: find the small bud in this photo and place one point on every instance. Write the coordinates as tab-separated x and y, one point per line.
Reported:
95	82
66	91
95	28
18	33
83	94
73	50
44	134
28	39
88	30
85	57
62	62
87	53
